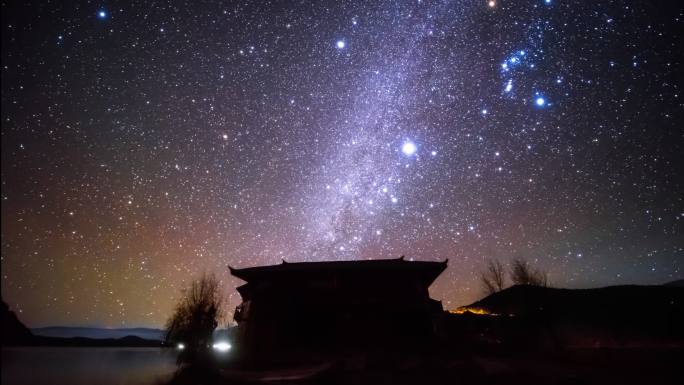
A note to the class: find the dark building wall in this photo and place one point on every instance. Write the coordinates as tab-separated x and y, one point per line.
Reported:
337	309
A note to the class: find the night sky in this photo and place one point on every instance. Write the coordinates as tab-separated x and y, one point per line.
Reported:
144	143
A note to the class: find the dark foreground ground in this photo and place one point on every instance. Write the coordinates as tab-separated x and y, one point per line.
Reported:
527	335
571	366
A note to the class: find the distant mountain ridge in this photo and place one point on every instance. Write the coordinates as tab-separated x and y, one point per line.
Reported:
98	333
14	333
150	334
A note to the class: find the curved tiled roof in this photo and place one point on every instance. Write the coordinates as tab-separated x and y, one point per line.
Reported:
428	270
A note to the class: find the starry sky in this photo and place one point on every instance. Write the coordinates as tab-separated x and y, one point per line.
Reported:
144	143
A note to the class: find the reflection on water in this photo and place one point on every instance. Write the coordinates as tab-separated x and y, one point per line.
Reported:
86	366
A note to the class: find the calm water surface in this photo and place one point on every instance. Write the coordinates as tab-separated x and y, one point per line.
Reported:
91	366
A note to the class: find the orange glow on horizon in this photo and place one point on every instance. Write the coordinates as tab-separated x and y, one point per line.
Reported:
473	310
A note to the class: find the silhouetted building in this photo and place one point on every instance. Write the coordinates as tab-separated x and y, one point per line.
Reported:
337	305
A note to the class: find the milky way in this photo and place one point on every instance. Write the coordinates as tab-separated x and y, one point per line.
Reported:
146	143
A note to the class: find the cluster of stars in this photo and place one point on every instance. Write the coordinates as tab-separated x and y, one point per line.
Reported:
144	145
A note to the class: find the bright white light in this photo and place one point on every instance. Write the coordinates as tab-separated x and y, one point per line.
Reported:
492	4
102	14
222	346
341	44
509	86
409	148
540	101
180	346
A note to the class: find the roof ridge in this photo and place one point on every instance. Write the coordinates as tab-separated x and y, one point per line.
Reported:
344	261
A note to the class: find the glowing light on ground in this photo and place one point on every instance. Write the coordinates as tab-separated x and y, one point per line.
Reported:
222	346
473	310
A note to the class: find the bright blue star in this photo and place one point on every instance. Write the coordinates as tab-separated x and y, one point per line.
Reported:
340	44
540	101
101	14
409	148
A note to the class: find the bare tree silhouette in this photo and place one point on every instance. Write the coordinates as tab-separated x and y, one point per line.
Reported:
523	274
493	278
197	314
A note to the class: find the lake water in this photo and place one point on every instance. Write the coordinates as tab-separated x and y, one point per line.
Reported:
86	366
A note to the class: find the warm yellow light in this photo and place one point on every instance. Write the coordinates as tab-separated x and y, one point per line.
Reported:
474	310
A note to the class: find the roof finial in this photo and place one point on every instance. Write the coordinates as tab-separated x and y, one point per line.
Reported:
401	258
283	261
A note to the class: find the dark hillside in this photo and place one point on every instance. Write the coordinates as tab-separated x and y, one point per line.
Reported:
13	331
611	316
